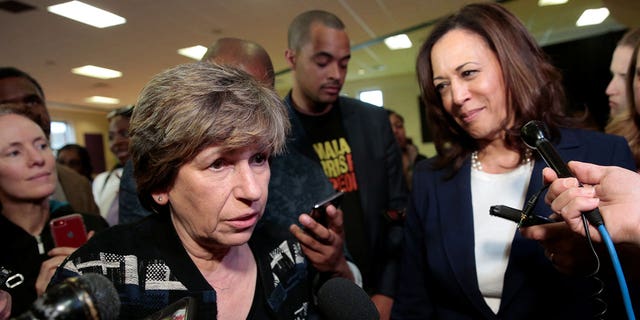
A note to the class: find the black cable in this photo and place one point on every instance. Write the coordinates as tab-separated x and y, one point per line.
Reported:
598	283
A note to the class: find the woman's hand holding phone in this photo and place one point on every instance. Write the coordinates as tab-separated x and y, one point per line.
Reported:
68	233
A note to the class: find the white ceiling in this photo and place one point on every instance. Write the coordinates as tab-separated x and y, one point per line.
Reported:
48	46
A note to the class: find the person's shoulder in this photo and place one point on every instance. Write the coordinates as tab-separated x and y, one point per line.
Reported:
430	171
586	136
100	177
98	182
425	164
371	114
273	230
68	175
122	238
360	105
91	221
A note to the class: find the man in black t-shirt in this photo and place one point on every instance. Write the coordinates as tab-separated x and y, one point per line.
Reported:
352	145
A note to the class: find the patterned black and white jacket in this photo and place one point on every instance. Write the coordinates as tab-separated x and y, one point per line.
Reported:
150	269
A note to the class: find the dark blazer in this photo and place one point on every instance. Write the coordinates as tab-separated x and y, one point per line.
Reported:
438	274
378	166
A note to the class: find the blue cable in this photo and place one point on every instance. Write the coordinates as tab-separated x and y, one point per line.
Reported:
606	238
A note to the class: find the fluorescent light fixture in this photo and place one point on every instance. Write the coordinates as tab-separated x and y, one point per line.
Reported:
195	52
396	42
82	12
97	72
592	16
544	3
102	100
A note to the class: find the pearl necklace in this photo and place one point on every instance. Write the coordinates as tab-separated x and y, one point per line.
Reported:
477	165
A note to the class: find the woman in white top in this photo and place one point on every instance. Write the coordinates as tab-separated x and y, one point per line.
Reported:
482	78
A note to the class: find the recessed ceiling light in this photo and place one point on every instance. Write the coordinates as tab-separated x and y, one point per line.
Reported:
396	42
97	72
592	16
544	3
102	100
82	12
195	52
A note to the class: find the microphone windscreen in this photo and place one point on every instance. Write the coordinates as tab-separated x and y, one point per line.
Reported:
90	296
104	295
339	299
533	132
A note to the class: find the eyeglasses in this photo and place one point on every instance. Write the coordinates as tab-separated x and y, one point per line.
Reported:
124	111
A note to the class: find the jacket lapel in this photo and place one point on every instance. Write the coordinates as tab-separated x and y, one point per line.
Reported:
456	221
522	248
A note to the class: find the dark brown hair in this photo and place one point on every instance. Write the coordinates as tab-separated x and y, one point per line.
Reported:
533	86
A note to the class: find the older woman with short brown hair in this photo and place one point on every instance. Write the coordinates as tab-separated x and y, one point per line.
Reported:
201	138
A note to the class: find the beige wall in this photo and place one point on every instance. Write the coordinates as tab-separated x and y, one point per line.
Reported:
85	121
400	94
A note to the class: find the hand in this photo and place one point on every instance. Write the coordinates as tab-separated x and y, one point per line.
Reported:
5	305
568	188
616	192
324	246
383	304
568	252
49	266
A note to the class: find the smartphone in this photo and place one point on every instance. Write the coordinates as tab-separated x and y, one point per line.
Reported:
319	213
68	231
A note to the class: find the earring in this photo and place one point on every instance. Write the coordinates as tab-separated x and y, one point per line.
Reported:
160	198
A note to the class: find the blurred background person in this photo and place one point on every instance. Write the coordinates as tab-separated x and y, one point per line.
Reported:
410	153
620	60
106	185
207	187
27	180
16	86
482	77
77	158
627	124
244	54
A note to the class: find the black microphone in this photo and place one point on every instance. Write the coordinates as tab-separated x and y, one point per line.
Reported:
339	299
90	296
534	134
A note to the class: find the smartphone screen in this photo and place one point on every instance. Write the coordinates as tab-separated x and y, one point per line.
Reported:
318	212
68	231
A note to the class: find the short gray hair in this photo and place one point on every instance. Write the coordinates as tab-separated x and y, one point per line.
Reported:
187	108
